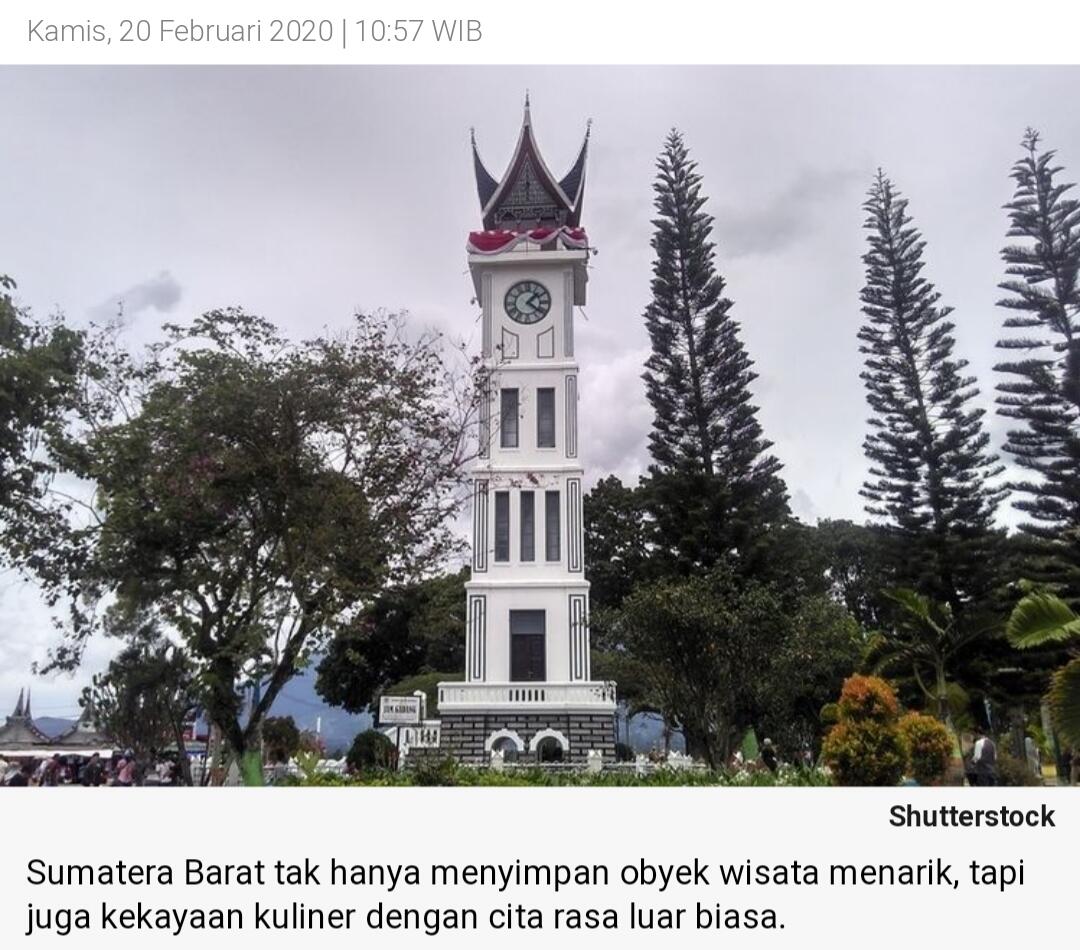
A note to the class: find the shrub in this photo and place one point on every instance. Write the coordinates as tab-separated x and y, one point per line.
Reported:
868	698
281	738
864	752
865	746
1014	772
371	750
929	747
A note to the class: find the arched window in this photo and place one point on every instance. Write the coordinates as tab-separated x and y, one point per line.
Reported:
507	747
549	750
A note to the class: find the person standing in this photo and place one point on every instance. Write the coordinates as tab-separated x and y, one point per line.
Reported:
984	761
768	755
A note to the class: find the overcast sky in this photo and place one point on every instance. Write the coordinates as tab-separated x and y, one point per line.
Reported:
302	194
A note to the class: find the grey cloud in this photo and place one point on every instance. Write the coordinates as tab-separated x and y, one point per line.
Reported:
787	218
161	293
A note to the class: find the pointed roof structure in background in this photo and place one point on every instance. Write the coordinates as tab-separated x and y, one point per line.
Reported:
528	195
84	735
19	734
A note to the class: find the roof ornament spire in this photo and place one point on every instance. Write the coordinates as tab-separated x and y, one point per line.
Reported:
26	708
17	714
528	195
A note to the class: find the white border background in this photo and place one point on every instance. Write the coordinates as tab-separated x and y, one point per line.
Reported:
598	32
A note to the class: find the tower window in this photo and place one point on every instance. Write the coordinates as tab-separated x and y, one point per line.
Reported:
502	526
528	526
508	418
551	526
545	418
527	647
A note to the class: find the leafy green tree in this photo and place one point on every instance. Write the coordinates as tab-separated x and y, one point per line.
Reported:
714	489
43	369
700	641
407	631
617	541
1042	619
371	750
1041	392
261	491
281	738
930	470
820	646
926	643
146	696
859	568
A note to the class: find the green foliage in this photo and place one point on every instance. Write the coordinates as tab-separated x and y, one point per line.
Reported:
929	747
145	696
865	753
701	643
1040	394
281	738
45	369
865	747
444	772
259	492
617	535
713	487
1064	699
930	469
409	630
1015	773
926	643
371	750
1040	619
820	645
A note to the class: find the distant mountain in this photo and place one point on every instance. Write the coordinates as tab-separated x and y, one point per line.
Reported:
309	710
52	726
338	727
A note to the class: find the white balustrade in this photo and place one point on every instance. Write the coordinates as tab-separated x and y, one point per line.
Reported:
588	697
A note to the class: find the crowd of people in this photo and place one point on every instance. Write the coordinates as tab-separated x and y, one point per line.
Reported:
90	771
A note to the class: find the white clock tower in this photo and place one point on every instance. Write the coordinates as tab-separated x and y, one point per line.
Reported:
527	691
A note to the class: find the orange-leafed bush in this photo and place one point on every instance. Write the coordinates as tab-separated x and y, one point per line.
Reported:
864	752
929	747
865	747
868	698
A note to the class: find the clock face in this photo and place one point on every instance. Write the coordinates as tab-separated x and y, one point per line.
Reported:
527	302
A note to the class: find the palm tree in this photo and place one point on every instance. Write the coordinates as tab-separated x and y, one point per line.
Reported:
925	643
1044	619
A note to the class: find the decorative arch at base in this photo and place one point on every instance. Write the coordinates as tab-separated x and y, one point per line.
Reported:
498	734
534	742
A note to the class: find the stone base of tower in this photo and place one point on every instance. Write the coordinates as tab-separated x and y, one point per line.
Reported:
469	737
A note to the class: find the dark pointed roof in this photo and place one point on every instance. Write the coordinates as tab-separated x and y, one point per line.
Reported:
19	732
528	195
83	734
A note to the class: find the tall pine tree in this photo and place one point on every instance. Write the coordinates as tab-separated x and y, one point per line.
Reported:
714	487
1042	389
930	470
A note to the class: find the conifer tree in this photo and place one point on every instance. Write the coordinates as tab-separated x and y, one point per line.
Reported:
714	487
1042	389
930	475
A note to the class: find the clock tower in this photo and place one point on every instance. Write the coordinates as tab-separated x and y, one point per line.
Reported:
528	691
